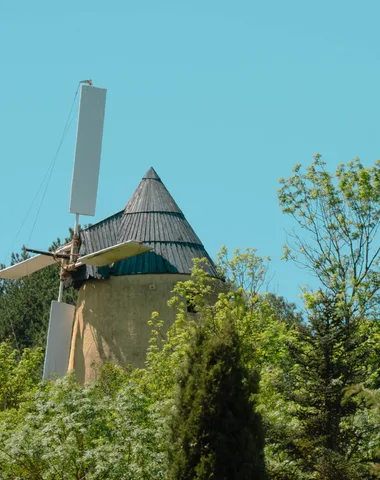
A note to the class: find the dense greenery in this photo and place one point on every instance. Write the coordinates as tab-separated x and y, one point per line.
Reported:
248	387
216	431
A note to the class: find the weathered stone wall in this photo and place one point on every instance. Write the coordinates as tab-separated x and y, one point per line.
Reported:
111	320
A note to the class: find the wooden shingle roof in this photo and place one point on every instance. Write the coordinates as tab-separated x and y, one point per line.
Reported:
153	217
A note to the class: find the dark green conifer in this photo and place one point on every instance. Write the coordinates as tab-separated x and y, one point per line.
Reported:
330	355
217	433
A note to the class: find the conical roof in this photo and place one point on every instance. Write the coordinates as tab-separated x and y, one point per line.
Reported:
151	196
153	217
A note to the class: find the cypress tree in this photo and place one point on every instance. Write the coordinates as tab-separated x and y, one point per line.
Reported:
216	432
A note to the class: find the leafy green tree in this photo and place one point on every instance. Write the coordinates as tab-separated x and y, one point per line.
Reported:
105	431
19	375
339	216
217	433
245	270
340	213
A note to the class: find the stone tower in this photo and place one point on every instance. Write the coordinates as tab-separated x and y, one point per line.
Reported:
115	302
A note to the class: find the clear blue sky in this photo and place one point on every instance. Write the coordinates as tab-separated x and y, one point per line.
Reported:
221	97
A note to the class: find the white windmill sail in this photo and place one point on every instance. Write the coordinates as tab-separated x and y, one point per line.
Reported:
31	265
113	254
88	148
58	339
27	267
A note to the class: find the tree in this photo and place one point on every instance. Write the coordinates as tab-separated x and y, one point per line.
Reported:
105	431
339	217
245	270
340	213
19	375
327	359
216	432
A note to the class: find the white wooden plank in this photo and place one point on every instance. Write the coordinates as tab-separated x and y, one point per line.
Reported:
88	148
27	267
113	254
59	339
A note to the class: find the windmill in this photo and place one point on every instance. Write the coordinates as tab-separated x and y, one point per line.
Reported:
82	202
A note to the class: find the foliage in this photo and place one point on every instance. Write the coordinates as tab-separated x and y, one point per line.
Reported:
67	431
245	270
336	431
340	213
263	323
216	431
328	357
19	376
363	394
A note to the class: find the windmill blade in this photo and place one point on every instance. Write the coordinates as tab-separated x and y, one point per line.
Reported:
27	267
31	265
58	340
113	254
88	148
